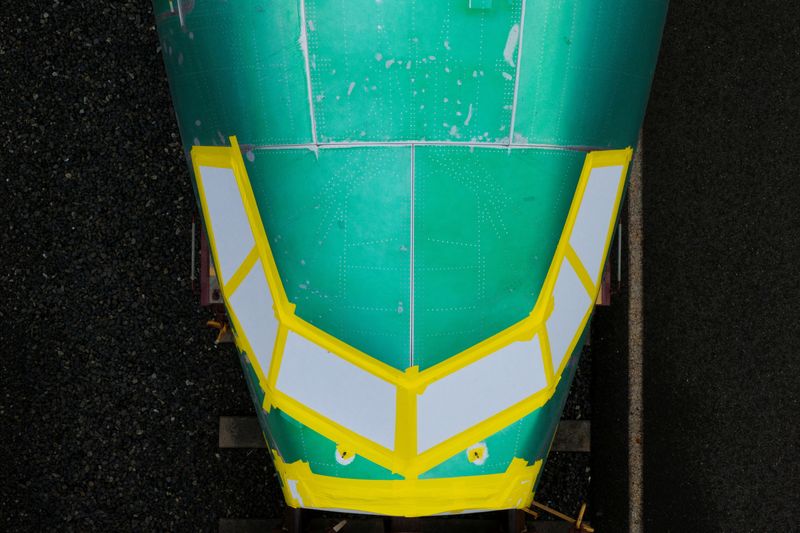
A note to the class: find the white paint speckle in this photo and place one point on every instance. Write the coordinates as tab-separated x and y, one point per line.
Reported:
408	65
197	122
378	56
319	97
469	116
474	73
447	45
511	44
350	88
311	25
445	99
454	131
432	58
250	156
389	63
507	76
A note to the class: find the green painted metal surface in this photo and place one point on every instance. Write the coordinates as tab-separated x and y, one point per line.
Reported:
400	71
407	70
411	70
476	271
342	248
587	69
485	234
227	78
408	250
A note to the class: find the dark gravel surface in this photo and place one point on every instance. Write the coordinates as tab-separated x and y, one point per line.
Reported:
722	245
608	496
578	405
565	482
111	384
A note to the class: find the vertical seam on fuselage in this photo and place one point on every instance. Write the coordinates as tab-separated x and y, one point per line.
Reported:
411	270
304	48
516	78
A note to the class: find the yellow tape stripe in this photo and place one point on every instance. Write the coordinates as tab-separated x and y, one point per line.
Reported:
277	357
411	383
547	357
283	307
409	497
406	425
233	283
580	270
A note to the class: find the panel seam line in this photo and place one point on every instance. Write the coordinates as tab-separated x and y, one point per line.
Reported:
516	75
309	90
369	144
411	273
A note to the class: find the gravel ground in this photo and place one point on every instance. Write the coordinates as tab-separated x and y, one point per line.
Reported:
112	386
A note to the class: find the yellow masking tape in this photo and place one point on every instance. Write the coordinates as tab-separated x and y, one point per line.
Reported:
404	459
